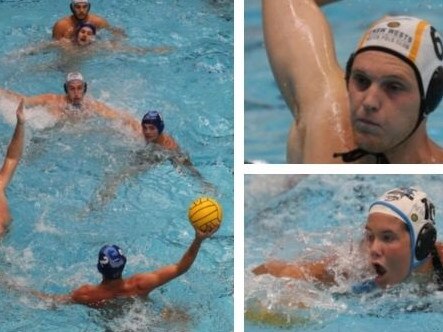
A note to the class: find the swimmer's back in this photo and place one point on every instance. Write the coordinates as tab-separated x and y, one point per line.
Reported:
137	285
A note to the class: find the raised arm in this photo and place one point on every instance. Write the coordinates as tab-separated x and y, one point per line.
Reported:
146	282
305	271
15	149
301	53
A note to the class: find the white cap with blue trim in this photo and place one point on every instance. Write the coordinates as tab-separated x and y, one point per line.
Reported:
415	209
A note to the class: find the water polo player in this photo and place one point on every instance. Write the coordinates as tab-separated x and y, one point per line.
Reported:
74	105
66	26
399	243
375	112
13	156
152	128
111	262
85	34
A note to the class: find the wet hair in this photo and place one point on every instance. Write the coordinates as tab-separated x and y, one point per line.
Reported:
85	24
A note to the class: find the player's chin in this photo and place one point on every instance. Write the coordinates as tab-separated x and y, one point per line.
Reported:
369	142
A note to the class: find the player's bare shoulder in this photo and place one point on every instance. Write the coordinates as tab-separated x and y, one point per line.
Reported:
98	21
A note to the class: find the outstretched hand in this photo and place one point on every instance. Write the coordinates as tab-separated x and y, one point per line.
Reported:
20	113
204	235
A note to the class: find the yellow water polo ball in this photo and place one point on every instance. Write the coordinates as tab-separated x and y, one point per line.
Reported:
205	214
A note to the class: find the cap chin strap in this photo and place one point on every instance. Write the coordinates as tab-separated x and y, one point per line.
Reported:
381	158
353	155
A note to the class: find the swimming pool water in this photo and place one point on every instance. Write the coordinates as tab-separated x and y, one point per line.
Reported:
267	118
316	216
53	243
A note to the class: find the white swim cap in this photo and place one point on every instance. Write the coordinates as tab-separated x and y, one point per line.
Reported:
79	1
415	209
75	76
414	41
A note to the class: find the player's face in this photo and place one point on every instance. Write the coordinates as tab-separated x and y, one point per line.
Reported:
81	10
85	36
384	99
150	132
75	92
388	244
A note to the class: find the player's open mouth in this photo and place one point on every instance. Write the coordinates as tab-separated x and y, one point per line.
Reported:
380	270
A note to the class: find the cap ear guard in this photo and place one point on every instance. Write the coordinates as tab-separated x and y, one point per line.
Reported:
85	87
425	241
435	91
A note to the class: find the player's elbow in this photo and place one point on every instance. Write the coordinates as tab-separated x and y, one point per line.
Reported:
182	268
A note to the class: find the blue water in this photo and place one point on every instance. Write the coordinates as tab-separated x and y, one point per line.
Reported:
53	243
295	218
267	118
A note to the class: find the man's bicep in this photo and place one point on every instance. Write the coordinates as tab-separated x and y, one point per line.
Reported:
39	100
157	278
301	50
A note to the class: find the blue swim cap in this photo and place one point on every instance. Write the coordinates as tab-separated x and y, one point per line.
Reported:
86	24
111	262
154	118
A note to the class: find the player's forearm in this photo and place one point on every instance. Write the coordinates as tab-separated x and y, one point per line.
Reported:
304	271
62	299
274	268
15	149
189	257
10	94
